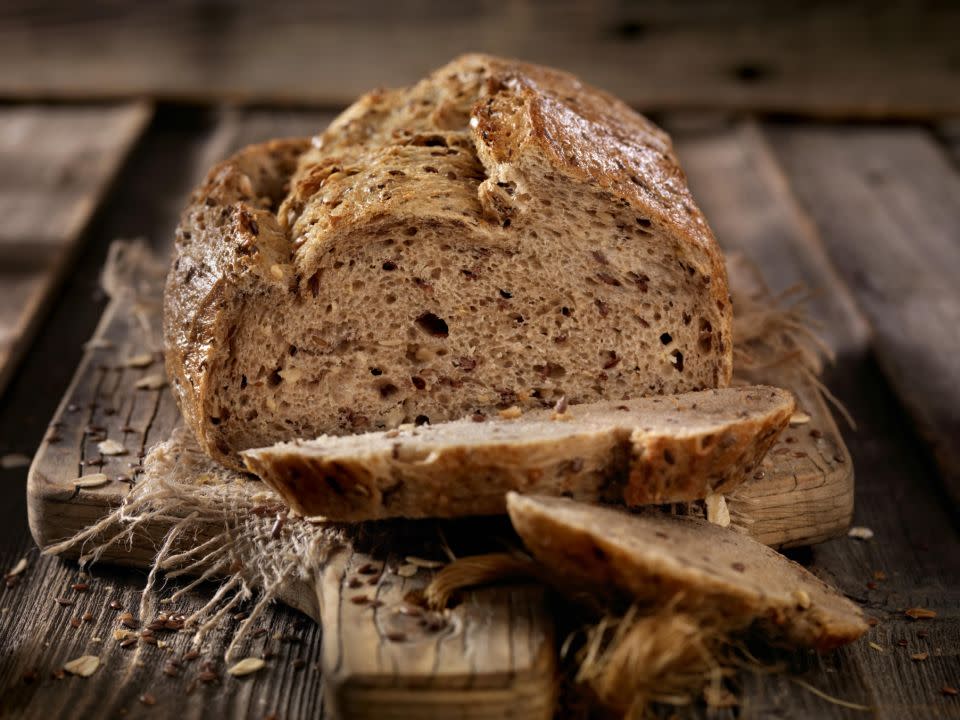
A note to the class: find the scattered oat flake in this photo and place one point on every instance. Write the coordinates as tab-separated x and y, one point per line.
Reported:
148	699
920	656
151	382
423	562
408	570
111	447
14	460
799	418
878	648
140	361
91	481
511	413
21	565
246	666
858	532
84	666
920	613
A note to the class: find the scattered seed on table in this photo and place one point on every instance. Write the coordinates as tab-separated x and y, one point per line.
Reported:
246	666
83	666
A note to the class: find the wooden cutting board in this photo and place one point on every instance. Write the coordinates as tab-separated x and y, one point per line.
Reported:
491	656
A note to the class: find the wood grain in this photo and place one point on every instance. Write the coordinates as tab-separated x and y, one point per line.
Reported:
744	193
826	59
887	202
57	164
490	656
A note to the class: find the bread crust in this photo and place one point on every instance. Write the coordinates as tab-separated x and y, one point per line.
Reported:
647	451
702	568
256	233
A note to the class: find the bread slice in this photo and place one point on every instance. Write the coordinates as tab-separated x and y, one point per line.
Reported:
499	234
651	450
659	558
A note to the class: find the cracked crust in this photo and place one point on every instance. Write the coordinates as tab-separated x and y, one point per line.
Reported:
451	247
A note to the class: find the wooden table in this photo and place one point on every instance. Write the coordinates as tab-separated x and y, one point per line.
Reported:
865	213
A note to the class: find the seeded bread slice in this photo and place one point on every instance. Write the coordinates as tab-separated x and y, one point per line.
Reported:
654	557
651	450
498	234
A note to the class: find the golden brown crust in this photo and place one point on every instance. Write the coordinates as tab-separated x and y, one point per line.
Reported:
227	234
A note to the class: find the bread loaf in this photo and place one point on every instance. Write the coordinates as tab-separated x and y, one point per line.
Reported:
651	450
703	568
499	234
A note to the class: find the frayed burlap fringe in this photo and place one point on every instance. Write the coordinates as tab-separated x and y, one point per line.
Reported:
227	527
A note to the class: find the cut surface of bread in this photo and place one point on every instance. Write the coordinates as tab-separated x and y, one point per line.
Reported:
649	450
659	558
498	234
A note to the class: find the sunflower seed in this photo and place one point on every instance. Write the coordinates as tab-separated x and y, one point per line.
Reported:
14	460
860	533
91	481
407	571
18	568
111	447
84	666
246	666
151	382
140	361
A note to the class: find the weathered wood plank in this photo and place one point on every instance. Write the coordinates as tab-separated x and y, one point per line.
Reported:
147	200
37	638
887	202
57	163
745	196
828	59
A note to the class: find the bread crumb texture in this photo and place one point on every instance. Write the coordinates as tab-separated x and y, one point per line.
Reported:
498	235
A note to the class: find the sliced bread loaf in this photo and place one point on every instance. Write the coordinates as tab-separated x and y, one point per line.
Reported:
498	234
704	568
651	450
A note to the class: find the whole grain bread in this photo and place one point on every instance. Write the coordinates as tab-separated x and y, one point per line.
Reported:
650	450
703	568
499	234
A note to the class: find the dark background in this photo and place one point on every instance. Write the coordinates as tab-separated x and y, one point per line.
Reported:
839	128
